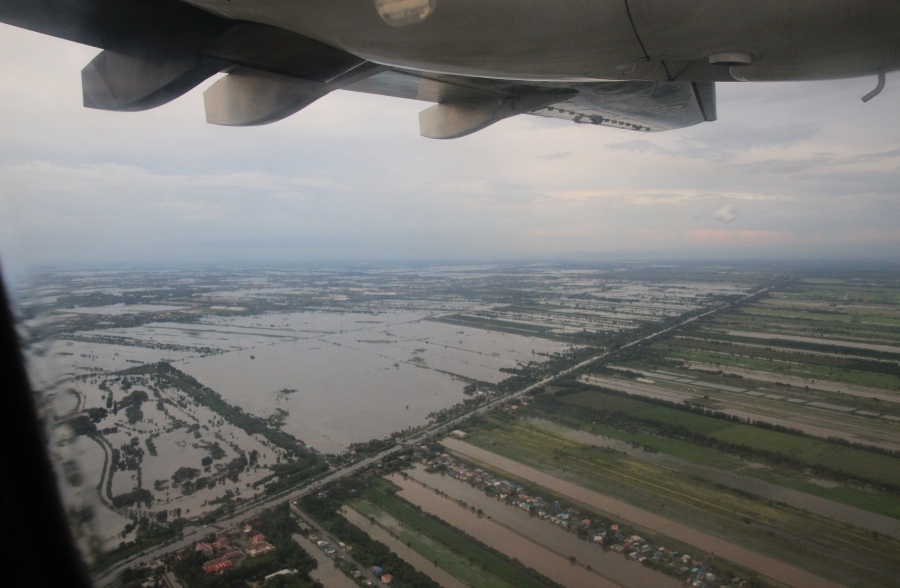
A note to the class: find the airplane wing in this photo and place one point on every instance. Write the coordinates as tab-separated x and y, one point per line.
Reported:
156	50
641	106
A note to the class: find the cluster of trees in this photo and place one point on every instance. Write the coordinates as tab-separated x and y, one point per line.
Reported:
289	474
533	371
132	404
169	376
129	456
137	496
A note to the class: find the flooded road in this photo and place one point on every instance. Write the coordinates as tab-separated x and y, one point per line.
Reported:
764	565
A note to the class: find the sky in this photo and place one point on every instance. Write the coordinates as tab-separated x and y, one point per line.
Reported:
789	171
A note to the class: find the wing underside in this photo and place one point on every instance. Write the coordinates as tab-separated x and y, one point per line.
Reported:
640	106
156	50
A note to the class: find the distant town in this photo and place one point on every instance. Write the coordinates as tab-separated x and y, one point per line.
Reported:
544	425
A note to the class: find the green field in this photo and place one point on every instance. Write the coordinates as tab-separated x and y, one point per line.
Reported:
848	311
872	379
805	539
880	503
694	422
488	563
608	402
802	448
457	565
879	468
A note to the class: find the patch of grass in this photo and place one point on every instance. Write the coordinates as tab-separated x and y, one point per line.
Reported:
764	439
596	400
694	422
863	463
674	447
876	502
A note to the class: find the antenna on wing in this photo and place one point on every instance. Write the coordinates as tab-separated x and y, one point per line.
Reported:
878	88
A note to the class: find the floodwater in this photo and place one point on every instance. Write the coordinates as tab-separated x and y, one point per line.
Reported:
342	395
551	564
325	572
120	309
609	564
79	357
405	553
764	565
356	376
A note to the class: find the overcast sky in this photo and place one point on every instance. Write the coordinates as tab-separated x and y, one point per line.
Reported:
788	171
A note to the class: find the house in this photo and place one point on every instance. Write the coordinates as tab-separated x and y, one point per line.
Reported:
205	548
284	572
259	548
216	565
257	538
387	578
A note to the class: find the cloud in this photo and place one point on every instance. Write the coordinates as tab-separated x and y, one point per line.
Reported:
556	155
807	164
726	214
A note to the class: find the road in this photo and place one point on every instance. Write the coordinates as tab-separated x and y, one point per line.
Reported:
194	534
341	552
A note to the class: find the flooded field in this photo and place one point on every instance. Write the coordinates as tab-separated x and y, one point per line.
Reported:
186	391
545	561
390	538
340	395
764	565
610	565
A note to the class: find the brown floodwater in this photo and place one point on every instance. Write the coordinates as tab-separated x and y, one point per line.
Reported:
534	555
609	564
762	564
